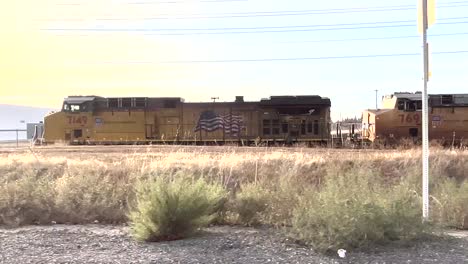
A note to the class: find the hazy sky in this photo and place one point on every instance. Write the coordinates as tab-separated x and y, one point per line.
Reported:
50	49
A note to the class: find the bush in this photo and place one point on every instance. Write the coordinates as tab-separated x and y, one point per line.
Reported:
172	209
450	204
284	197
356	211
266	202
27	200
88	195
248	205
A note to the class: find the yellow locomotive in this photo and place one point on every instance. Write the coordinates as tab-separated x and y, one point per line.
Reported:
400	117
138	120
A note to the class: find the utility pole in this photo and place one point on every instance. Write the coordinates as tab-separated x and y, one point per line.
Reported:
214	99
376	106
424	21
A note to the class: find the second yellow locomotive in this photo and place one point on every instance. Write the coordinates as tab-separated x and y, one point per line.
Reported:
401	117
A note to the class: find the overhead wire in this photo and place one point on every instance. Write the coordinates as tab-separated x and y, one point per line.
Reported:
286	11
305	28
298	26
367	10
375	38
180	2
158	2
294	12
240	32
305	12
313	58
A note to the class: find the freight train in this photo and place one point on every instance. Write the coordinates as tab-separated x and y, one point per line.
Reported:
274	120
400	118
141	120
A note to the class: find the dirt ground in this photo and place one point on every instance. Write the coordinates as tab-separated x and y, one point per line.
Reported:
221	244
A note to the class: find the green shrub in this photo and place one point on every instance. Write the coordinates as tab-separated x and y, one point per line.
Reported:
266	202
284	195
86	196
27	200
356	211
171	209
403	213
248	205
450	204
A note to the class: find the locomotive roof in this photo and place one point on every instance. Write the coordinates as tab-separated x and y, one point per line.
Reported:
80	99
273	100
435	100
410	96
418	95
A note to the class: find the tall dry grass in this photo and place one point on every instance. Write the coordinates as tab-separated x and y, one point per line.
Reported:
265	185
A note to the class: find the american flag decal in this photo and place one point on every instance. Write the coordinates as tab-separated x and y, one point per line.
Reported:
210	121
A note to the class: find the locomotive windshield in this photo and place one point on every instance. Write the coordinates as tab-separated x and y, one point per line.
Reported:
409	105
78	104
71	107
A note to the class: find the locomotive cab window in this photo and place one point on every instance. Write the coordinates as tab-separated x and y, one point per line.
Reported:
75	108
410	106
418	105
71	107
84	107
401	105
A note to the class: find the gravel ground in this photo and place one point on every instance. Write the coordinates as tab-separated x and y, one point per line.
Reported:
112	244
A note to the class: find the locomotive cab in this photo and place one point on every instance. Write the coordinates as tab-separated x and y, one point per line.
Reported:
71	124
401	117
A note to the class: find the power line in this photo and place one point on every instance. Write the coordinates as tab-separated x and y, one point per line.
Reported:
298	26
447	4
160	2
319	11
342	40
303	12
181	2
242	32
297	12
284	11
317	58
375	38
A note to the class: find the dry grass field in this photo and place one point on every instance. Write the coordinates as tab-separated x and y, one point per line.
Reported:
358	196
